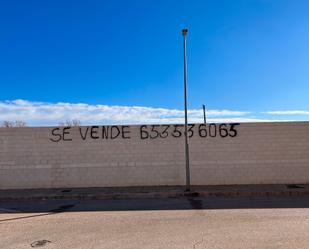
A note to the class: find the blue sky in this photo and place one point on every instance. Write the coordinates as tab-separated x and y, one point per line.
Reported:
248	57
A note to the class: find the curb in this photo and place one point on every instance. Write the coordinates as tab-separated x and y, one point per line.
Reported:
248	191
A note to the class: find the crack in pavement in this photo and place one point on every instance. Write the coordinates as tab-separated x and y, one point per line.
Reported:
198	243
60	209
8	210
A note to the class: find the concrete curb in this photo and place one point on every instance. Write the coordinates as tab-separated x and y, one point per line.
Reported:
228	191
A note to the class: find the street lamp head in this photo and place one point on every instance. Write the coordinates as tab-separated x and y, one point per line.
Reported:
184	32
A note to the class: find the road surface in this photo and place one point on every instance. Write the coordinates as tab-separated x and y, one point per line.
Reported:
161	223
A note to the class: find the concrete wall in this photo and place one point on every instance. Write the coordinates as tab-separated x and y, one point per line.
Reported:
247	153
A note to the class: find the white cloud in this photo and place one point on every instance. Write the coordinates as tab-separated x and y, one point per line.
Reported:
47	114
291	112
42	113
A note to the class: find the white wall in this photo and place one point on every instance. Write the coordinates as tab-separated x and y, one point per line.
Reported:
260	153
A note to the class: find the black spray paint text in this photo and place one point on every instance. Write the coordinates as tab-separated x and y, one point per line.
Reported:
91	132
201	130
145	131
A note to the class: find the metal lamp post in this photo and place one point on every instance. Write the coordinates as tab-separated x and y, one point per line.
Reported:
188	185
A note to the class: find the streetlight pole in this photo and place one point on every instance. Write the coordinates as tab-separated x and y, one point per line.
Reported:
188	185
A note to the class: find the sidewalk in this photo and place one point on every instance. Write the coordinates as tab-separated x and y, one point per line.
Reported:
278	190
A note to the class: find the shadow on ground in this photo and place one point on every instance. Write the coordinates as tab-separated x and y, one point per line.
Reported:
48	207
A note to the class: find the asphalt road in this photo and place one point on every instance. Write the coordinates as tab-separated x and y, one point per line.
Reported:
164	223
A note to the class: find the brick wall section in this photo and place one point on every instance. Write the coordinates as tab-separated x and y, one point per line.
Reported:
261	153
